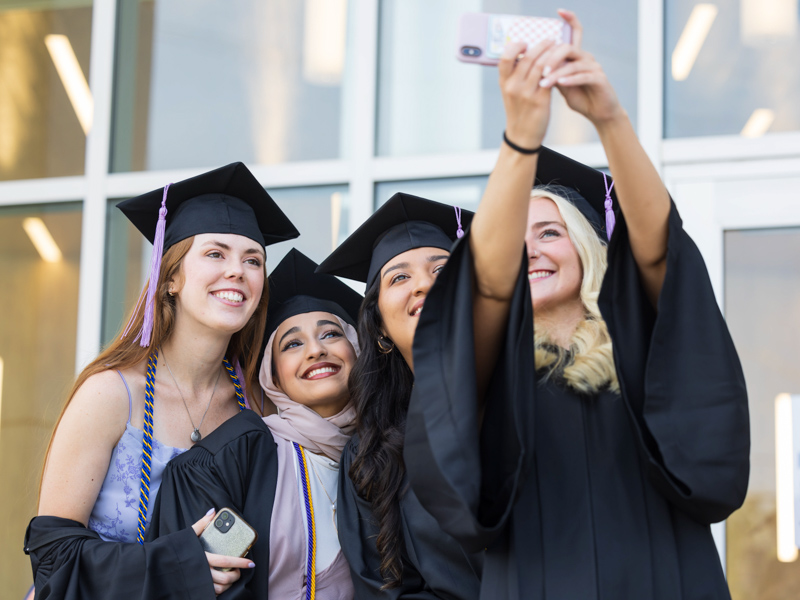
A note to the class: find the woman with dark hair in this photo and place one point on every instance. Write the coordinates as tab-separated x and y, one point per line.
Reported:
175	368
581	413
394	547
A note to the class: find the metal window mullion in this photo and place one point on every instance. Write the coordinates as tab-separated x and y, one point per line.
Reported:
41	191
362	181
650	77
90	298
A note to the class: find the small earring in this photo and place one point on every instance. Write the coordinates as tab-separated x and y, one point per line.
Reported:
385	345
535	254
171	293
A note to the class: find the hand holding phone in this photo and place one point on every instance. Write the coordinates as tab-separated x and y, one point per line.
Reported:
483	37
228	534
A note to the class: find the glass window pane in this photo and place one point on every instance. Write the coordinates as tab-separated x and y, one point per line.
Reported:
204	82
762	307
321	214
464	192
429	102
728	67
39	299
45	102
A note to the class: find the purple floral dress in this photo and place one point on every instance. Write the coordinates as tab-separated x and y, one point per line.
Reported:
115	513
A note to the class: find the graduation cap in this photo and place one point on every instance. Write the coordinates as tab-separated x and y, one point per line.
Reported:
589	190
295	289
405	222
225	200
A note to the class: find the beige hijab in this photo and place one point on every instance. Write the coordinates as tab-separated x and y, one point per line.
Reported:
298	423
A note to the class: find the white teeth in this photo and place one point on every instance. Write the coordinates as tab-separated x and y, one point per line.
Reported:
416	312
539	274
230	296
320	370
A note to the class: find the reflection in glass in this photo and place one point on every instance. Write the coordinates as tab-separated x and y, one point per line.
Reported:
727	67
39	261
207	83
762	307
321	214
430	103
464	192
45	103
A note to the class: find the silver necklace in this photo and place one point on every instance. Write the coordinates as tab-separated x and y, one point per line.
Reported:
195	436
324	489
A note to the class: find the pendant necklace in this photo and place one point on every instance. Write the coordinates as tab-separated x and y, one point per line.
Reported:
324	489
195	435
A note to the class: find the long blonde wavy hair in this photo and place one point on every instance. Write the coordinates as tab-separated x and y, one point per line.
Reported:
588	366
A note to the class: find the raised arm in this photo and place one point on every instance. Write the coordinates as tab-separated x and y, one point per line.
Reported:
642	196
497	236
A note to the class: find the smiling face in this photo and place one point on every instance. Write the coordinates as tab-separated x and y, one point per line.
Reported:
220	282
404	285
554	267
311	360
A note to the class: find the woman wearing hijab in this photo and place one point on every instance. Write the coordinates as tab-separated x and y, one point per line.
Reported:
591	457
280	473
394	547
175	371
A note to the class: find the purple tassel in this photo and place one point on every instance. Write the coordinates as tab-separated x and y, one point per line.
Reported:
237	368
611	220
460	231
155	268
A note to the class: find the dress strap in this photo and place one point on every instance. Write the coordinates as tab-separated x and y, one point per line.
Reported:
130	401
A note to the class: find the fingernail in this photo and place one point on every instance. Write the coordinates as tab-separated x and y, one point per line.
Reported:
563	80
546	71
210	511
251	565
544	83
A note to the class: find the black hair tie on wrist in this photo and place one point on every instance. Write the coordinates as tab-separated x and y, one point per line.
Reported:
520	149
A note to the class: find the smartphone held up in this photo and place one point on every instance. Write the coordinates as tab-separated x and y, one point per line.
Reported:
482	37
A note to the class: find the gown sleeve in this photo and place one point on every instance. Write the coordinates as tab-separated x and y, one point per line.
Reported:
430	572
467	475
680	377
234	467
71	562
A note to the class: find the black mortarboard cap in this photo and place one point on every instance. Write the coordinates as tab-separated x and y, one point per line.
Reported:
405	222
295	288
226	200
583	186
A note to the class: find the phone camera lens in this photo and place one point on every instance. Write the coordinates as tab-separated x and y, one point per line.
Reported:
219	523
471	51
224	516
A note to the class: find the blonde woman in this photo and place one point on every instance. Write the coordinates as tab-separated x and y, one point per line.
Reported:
590	458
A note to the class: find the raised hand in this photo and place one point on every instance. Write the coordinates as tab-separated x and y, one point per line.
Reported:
527	103
580	78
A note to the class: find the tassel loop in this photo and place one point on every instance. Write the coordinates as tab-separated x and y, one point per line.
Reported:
460	230
611	220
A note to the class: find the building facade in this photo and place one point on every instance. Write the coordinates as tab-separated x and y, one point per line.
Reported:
337	104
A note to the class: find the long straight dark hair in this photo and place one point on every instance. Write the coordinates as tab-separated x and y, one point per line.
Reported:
380	386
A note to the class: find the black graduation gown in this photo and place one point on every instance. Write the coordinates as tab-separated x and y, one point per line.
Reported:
607	497
235	466
71	562
434	565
